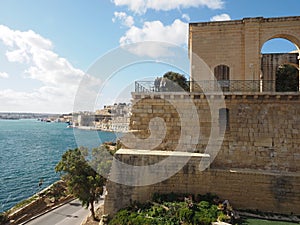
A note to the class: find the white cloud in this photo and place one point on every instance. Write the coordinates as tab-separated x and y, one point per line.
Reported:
3	75
126	20
35	51
59	78
141	6
138	6
186	17
176	33
221	17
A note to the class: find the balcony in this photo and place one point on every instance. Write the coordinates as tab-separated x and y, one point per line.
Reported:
208	86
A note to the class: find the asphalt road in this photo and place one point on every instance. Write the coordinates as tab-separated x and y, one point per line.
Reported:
69	214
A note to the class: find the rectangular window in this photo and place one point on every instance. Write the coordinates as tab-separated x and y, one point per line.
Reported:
223	120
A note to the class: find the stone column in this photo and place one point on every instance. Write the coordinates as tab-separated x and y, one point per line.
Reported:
252	48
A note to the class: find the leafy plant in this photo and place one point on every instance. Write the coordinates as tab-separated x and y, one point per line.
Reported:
82	180
287	78
178	82
180	212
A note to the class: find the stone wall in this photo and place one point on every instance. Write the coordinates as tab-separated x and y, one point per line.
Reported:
254	154
263	130
245	189
263	133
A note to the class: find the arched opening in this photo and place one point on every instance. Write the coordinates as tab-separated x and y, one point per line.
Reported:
222	75
279	57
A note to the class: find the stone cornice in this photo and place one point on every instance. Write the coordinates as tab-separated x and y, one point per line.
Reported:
231	95
246	20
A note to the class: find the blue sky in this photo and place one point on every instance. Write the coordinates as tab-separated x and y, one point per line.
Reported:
47	46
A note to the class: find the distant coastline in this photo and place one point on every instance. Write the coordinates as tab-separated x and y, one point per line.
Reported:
17	116
98	129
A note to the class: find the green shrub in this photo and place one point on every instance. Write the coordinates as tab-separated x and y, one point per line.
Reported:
121	218
184	212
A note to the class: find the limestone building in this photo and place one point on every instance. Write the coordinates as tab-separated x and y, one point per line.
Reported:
232	49
248	137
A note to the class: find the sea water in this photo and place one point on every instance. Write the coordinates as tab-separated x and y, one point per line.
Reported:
29	151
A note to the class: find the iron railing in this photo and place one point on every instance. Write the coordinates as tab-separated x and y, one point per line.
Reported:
149	86
207	86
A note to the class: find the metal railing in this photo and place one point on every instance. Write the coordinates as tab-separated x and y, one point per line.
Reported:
149	86
233	86
207	86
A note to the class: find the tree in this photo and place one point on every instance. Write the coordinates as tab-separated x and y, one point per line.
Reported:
177	79
287	78
102	157
82	180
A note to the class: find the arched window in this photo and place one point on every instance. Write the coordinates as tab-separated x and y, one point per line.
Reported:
222	73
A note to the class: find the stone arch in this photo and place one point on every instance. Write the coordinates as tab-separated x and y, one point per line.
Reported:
290	37
292	64
270	63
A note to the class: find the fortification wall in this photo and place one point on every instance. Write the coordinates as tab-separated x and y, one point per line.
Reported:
256	167
246	189
262	130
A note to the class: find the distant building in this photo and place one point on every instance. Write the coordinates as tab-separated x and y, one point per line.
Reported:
119	117
111	118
